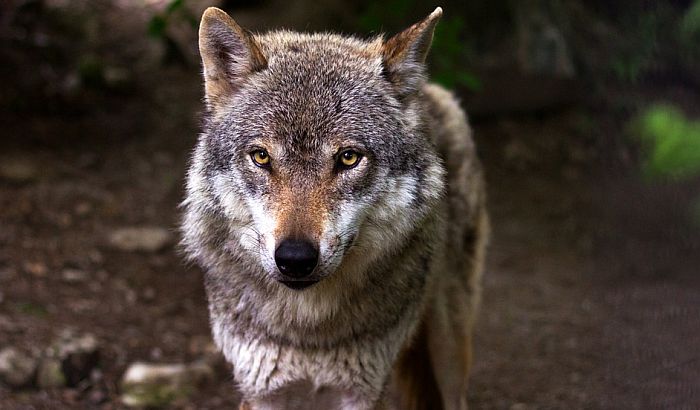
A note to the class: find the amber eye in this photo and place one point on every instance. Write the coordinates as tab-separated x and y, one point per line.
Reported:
349	159
261	158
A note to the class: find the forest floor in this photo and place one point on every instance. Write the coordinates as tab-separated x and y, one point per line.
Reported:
591	292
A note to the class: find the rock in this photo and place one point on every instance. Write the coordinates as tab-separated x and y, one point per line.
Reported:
18	169
37	269
50	375
82	208
16	368
140	239
148	294
77	356
158	385
97	396
96	257
74	275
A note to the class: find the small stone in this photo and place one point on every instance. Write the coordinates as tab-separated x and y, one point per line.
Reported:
37	269
74	275
97	396
50	375
148	294
70	396
140	239
95	256
18	169
130	296
77	356
157	385
82	208
96	376
16	368
156	353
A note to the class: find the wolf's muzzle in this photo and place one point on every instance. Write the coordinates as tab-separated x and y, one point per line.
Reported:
296	259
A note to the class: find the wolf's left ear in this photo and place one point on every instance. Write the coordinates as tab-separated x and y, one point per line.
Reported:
229	54
404	54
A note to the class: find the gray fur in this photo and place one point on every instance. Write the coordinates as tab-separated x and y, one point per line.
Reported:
409	215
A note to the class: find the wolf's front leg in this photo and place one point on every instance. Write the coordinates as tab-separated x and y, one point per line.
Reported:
449	344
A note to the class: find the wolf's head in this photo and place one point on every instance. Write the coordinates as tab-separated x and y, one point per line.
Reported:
315	160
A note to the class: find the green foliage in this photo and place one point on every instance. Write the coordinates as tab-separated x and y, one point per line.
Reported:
450	53
690	23
665	34
689	32
673	141
158	24
161	26
633	60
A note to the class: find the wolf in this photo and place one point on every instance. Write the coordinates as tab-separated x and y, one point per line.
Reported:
337	206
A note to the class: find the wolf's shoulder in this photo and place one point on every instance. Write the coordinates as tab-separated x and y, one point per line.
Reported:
448	124
449	128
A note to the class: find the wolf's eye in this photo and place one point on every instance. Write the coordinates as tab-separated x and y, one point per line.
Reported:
260	158
349	159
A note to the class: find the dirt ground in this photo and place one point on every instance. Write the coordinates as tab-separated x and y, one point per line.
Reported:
591	291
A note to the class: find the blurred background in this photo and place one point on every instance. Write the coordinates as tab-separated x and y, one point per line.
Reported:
586	117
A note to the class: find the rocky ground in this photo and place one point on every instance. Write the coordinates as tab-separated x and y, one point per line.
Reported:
590	292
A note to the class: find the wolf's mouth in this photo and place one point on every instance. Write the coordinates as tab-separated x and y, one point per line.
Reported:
298	284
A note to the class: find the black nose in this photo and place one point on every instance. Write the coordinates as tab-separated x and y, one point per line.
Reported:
296	258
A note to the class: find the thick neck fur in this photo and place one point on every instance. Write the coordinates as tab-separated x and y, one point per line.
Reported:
337	311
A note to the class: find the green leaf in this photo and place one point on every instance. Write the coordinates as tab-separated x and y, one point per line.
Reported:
157	25
673	142
690	23
469	80
174	5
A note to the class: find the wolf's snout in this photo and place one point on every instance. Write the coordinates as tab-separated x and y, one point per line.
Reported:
296	259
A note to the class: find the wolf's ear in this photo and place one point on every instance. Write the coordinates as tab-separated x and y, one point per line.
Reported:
404	54
229	54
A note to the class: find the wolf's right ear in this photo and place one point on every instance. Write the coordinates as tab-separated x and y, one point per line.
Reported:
404	54
229	54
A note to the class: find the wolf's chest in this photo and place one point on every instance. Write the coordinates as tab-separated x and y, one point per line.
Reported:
262	367
305	396
356	371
